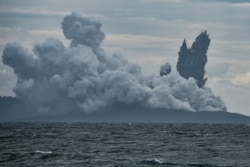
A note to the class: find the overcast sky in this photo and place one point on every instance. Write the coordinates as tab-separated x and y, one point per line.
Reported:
147	32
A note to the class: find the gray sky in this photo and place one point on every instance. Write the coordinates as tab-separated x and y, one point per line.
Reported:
147	32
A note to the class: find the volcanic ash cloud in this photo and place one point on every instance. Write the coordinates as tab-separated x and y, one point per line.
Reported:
54	78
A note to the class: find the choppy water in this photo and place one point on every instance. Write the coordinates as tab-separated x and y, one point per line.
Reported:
125	144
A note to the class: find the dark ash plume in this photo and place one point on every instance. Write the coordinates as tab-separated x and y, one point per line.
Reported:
54	78
192	61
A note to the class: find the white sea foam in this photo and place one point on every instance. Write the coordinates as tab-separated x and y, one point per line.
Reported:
153	161
43	152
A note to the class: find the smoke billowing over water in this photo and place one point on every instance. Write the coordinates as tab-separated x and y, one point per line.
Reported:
81	77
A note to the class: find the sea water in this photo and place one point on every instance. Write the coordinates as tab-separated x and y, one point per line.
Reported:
124	144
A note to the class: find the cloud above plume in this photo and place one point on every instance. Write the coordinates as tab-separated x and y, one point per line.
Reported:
54	78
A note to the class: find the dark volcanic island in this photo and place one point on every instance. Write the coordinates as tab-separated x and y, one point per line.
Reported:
82	83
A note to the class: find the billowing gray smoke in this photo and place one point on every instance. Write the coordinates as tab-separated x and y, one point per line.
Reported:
192	61
54	78
165	69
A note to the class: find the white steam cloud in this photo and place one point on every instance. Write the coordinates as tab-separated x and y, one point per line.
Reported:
54	78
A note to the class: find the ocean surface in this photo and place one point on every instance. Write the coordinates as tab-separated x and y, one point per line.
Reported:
124	144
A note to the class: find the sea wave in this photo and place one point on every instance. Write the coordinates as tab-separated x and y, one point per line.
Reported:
43	152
